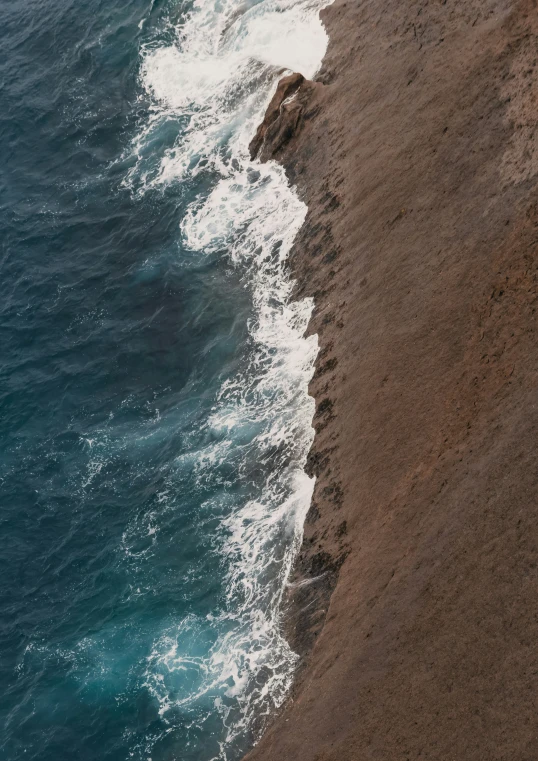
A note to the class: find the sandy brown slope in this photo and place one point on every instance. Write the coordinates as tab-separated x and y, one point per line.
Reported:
417	155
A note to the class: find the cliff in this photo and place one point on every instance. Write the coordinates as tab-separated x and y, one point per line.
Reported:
416	152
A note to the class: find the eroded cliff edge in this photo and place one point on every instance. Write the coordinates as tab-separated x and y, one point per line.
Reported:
416	151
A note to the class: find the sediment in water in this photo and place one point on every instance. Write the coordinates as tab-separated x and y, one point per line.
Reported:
414	598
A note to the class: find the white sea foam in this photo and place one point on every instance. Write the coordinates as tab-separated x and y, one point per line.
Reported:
217	80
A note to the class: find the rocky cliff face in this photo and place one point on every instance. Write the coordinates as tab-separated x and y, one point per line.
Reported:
416	152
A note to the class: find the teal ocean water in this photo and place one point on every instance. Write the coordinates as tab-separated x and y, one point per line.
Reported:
153	377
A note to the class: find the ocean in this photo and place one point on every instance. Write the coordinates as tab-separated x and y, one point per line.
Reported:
155	418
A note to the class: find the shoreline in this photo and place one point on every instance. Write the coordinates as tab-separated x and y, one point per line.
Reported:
412	601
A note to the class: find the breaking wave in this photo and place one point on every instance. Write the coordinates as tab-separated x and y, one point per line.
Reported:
216	79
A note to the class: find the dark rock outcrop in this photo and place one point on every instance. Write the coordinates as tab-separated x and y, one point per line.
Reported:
282	117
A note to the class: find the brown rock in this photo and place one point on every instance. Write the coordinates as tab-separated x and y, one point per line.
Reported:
418	160
280	119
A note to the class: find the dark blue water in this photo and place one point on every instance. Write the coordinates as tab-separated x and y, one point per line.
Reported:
154	418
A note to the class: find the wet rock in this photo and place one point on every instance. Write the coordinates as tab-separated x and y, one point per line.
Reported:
281	118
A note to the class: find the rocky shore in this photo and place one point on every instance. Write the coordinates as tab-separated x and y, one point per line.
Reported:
415	599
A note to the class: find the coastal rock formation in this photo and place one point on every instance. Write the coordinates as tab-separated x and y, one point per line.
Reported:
414	602
282	117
